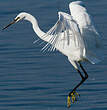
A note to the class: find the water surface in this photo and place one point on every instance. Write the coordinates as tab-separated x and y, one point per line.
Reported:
32	80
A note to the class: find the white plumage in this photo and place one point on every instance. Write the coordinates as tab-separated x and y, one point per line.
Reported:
73	35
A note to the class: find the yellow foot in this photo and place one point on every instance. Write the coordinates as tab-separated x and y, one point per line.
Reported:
74	96
68	102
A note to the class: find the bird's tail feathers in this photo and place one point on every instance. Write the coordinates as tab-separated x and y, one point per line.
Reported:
92	59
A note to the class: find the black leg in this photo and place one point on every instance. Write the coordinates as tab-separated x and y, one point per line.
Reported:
86	75
83	79
73	93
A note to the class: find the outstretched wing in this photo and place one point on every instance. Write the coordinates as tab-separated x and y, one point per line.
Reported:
63	33
91	37
88	32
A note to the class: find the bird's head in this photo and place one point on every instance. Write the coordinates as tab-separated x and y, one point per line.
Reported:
19	17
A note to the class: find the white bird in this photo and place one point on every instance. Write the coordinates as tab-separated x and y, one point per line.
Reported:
73	35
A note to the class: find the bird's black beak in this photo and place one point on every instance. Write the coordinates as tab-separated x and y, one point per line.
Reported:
14	21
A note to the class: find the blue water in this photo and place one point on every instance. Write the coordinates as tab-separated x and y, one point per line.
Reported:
33	80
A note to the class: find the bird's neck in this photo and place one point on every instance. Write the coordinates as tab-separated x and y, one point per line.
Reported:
36	27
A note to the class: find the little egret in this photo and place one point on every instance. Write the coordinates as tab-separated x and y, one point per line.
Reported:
73	35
